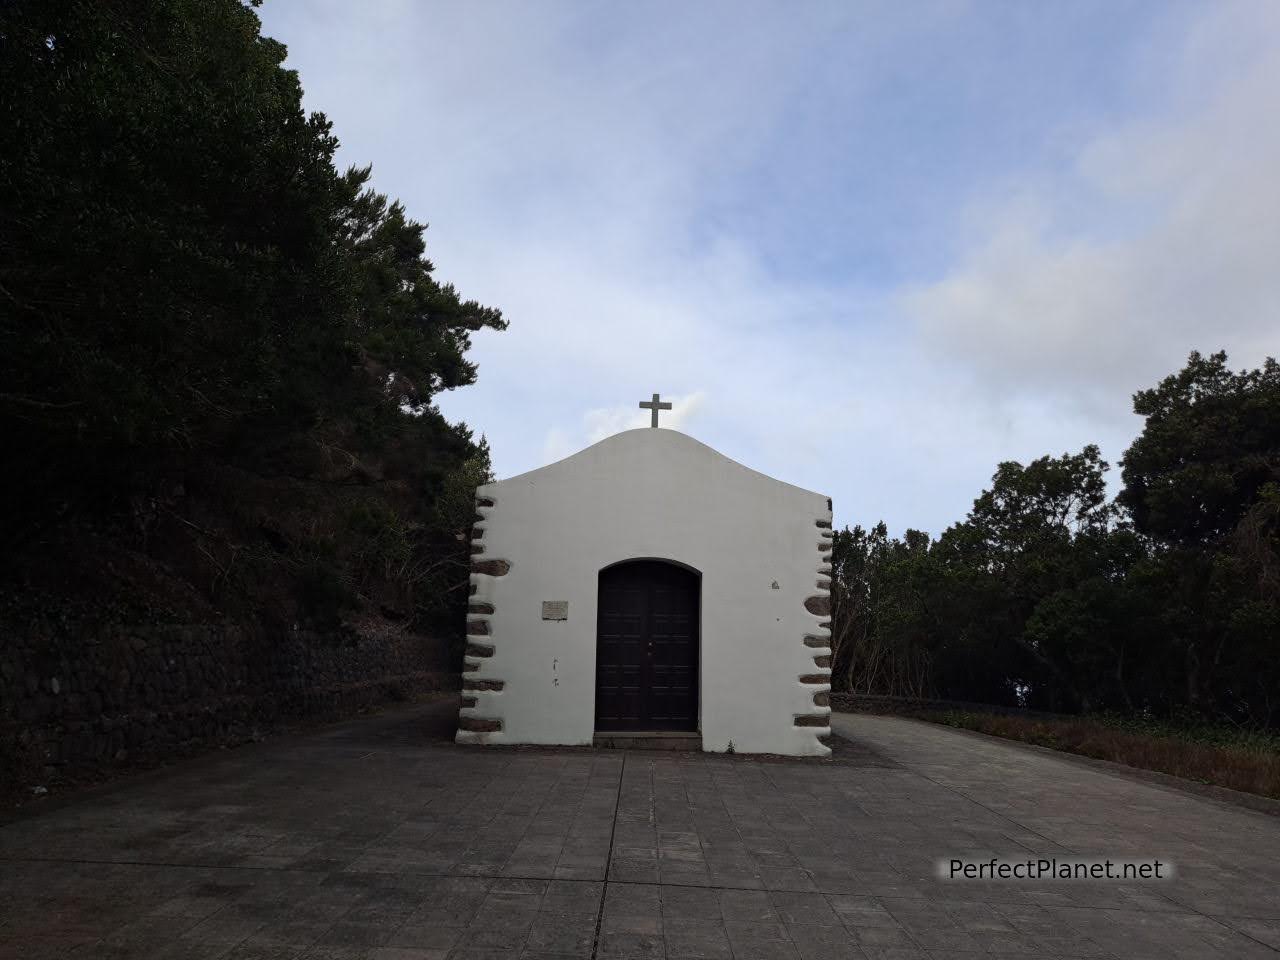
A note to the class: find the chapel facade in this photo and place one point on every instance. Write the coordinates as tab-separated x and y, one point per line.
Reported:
649	586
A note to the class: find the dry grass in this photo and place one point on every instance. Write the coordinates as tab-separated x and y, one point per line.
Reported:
1240	760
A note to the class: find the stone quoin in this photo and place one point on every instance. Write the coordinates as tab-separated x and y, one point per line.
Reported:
650	585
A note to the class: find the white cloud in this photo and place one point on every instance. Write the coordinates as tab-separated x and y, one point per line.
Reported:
1164	237
564	156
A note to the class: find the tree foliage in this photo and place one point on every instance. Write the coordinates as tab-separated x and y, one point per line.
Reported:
1207	449
179	255
188	283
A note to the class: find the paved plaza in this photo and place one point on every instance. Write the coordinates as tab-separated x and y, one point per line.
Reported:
381	839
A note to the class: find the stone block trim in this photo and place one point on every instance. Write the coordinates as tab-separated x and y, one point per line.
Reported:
479	724
470	726
818	606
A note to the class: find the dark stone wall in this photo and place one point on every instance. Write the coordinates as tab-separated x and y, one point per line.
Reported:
76	704
910	706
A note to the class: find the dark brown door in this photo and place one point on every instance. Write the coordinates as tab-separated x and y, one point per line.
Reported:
647	647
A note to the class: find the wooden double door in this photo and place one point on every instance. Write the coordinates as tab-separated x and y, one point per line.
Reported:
647	647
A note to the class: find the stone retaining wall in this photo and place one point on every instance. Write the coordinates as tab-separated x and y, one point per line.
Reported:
69	707
881	704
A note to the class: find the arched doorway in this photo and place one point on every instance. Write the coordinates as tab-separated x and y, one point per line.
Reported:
647	647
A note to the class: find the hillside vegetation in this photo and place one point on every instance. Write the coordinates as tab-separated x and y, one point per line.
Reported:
218	354
1160	604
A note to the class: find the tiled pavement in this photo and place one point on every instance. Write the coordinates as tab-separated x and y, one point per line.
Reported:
377	839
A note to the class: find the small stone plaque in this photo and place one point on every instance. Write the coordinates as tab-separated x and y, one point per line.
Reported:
555	609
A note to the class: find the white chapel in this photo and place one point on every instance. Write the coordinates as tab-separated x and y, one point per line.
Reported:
649	590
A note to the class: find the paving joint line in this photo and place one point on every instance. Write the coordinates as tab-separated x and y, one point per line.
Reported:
500	877
608	864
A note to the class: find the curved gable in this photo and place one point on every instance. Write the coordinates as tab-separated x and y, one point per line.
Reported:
660	445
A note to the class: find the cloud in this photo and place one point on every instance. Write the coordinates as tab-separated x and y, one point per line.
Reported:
873	248
1161	237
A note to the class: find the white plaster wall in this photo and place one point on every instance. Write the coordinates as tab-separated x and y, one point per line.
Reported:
653	493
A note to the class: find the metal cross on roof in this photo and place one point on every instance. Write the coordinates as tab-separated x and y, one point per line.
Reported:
655	405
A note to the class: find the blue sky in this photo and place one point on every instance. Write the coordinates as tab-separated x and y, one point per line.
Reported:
868	248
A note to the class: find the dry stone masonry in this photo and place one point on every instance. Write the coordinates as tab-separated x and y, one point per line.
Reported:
818	640
75	699
480	692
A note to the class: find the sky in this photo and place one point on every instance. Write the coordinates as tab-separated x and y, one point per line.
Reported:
871	249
